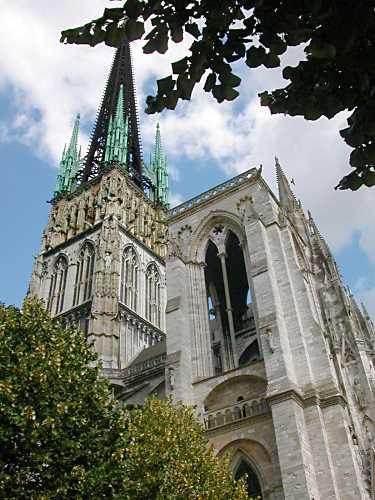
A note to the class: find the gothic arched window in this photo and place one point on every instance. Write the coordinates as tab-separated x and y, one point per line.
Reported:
129	278
57	287
153	295
84	274
252	482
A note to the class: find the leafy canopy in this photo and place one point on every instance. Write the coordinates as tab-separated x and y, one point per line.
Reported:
62	435
338	73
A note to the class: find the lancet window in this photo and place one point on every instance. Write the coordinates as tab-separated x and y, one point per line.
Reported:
229	300
129	278
153	295
252	482
58	284
84	274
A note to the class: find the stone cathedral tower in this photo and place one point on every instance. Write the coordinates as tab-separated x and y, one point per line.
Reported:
231	302
102	259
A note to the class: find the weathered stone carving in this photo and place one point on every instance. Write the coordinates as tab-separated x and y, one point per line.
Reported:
359	393
246	210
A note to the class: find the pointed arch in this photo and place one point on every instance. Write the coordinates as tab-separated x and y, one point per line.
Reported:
153	295
129	281
201	234
83	285
243	466
250	353
58	285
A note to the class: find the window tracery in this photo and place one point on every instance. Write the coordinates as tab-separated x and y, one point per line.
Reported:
129	278
153	295
58	284
84	274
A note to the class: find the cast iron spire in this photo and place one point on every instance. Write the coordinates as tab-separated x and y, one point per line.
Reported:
120	77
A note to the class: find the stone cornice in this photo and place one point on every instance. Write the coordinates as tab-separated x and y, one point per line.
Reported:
77	237
307	400
140	243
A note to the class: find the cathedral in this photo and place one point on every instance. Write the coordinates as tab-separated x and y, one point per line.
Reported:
230	302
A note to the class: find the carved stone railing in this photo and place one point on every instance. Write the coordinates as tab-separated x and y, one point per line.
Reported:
74	316
149	333
211	193
240	411
149	364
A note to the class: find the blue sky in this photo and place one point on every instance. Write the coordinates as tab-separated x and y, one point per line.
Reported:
44	84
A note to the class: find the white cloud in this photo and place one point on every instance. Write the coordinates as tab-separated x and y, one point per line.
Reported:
175	199
52	82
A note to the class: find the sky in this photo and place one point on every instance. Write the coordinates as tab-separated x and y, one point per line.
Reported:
44	84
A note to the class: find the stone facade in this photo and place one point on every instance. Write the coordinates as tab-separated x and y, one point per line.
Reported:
262	336
112	214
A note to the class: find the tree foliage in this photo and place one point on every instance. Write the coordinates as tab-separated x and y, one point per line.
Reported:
62	435
338	73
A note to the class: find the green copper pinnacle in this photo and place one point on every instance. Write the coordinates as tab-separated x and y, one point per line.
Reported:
70	163
116	147
159	171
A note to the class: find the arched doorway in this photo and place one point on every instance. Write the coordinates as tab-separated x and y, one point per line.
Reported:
243	468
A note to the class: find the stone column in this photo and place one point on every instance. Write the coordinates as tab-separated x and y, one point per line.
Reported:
202	353
179	330
222	257
295	456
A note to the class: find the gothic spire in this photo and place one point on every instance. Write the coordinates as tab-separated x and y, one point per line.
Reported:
286	195
116	147
160	170
124	110
70	163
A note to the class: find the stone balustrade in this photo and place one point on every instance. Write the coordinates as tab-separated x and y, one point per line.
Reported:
234	413
211	193
149	364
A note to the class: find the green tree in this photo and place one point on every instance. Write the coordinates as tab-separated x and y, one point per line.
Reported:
63	436
167	457
56	417
338	73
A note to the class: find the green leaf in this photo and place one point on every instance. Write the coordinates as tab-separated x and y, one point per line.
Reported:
165	85
133	8
265	98
288	72
230	80
158	43
369	178
230	93
185	86
271	61
369	152
321	50
278	46
357	158
193	29
171	100
115	14
210	82
134	29
180	66
351	181
255	56
177	33
218	92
